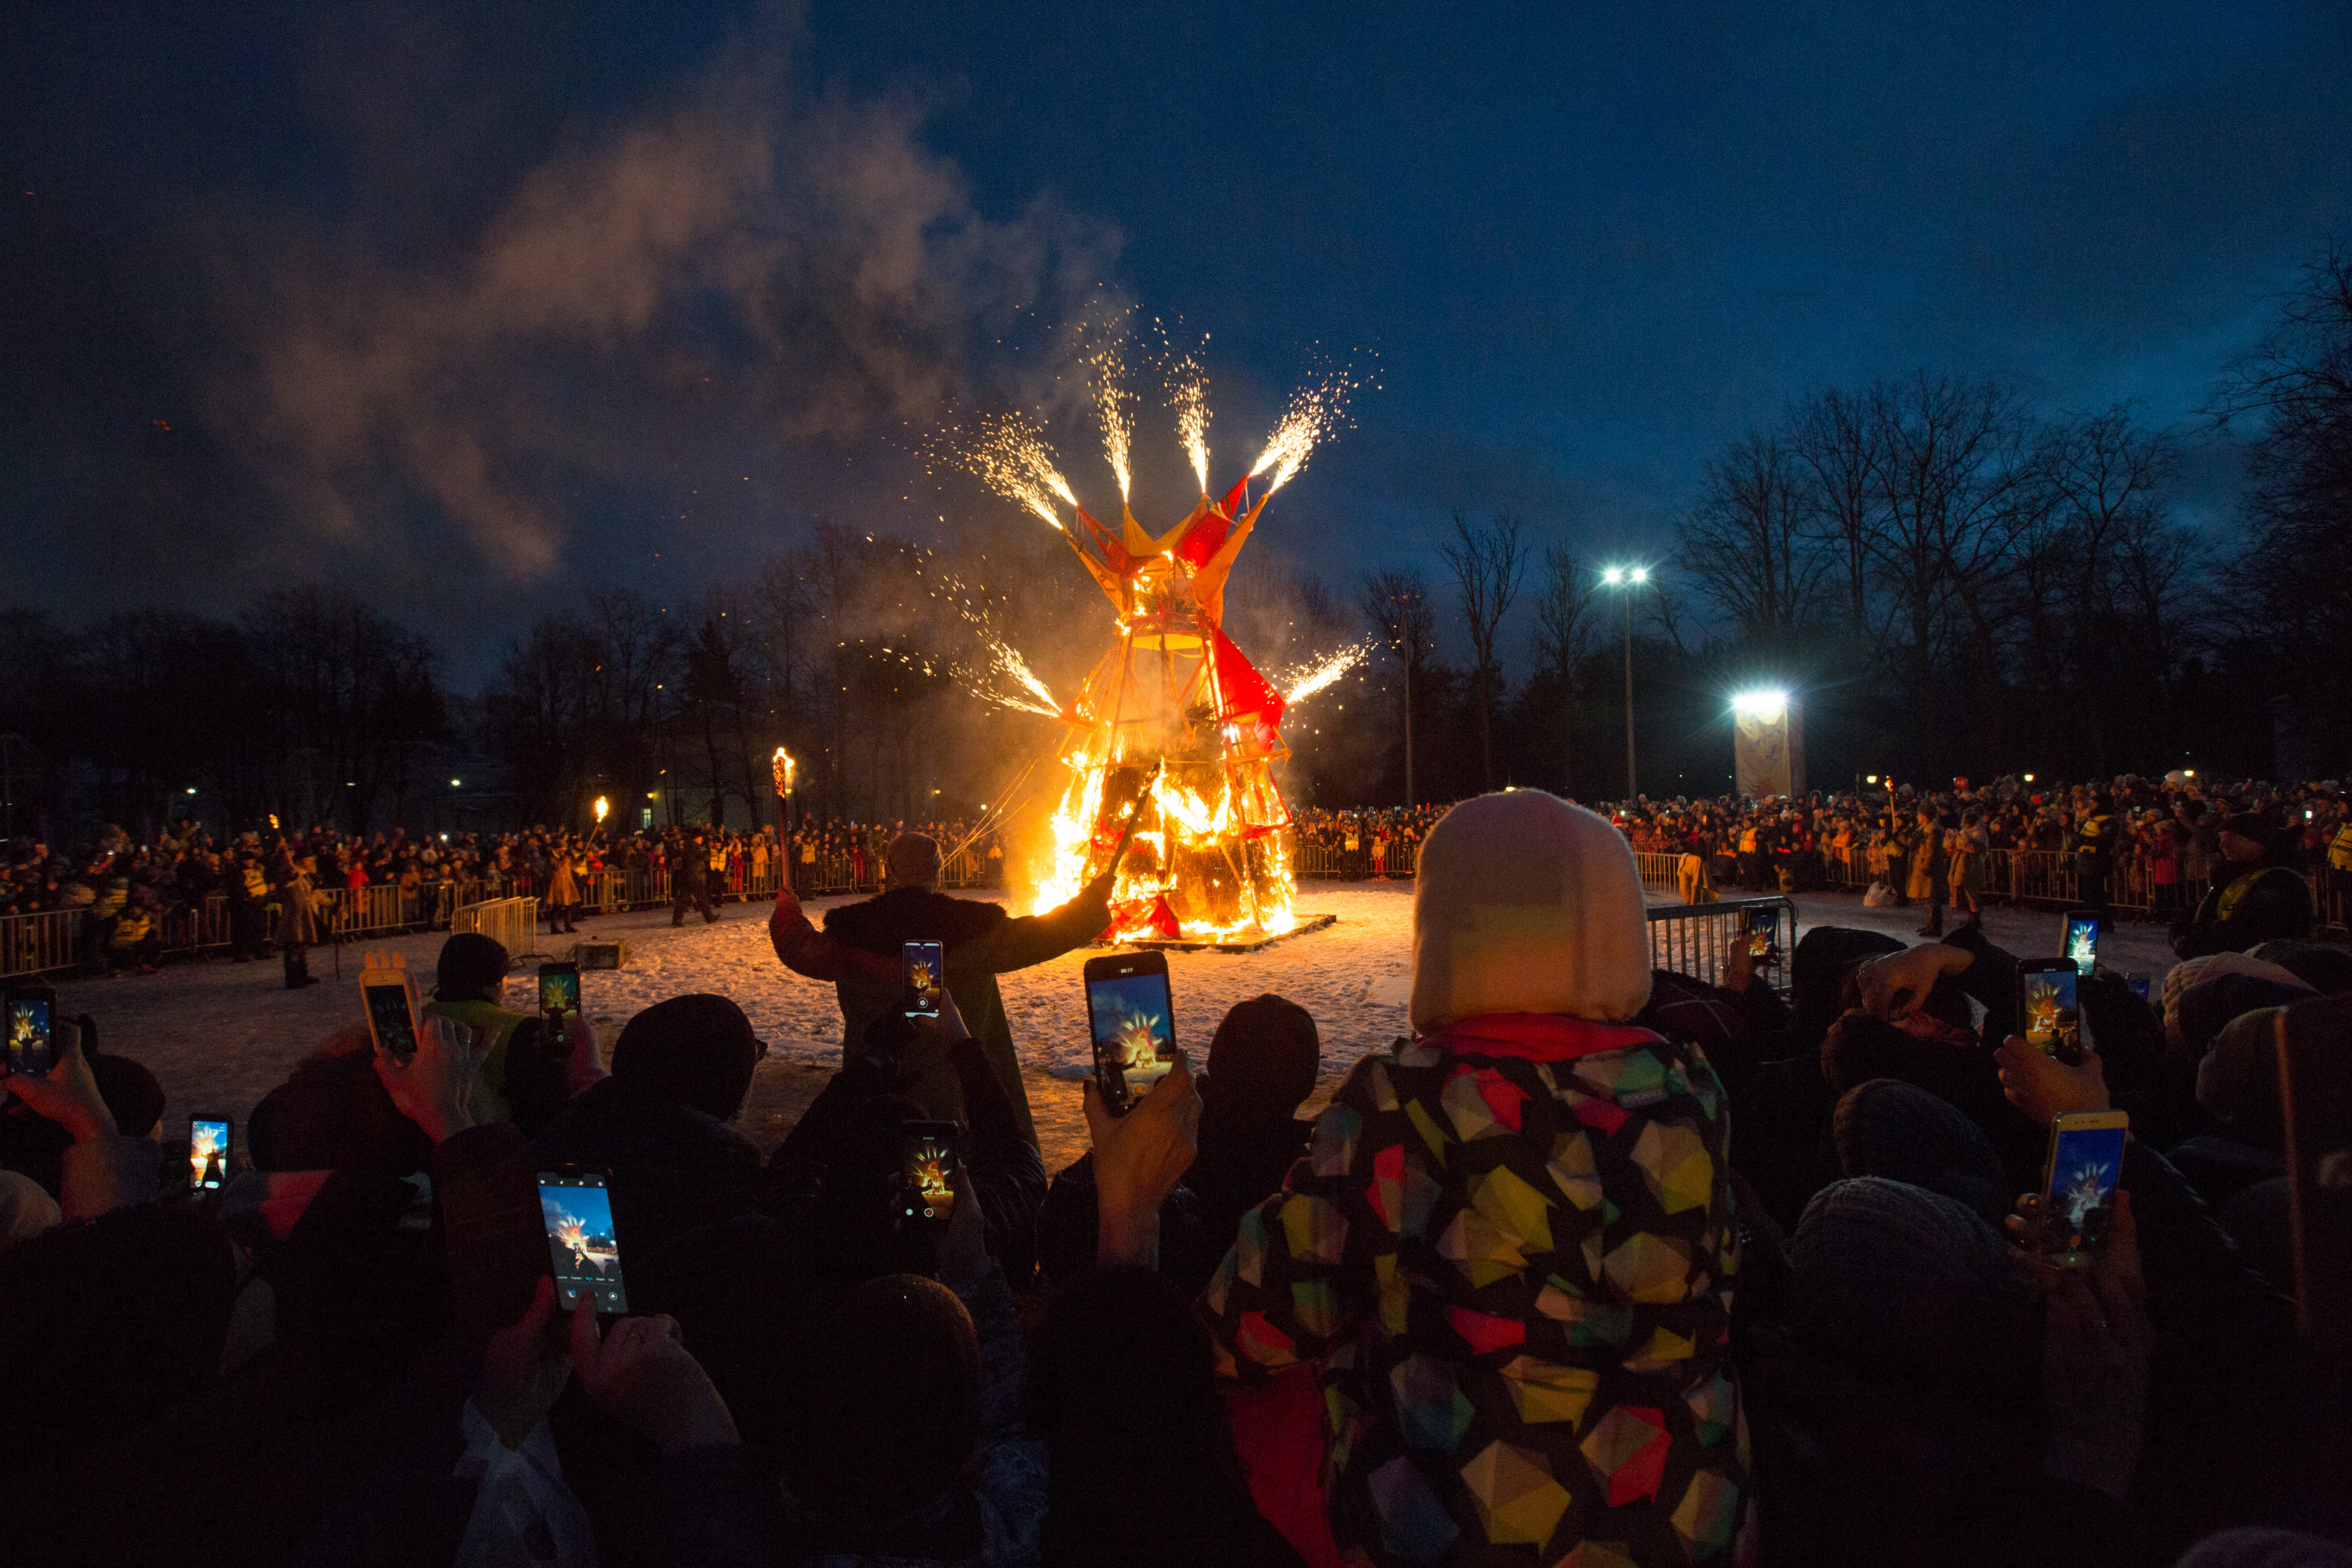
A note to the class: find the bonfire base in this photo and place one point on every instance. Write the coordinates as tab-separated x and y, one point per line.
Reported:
1234	944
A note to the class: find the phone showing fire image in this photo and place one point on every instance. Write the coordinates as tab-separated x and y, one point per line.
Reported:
1133	1024
2049	1013
2078	1188
207	1152
580	1244
927	1184
926	979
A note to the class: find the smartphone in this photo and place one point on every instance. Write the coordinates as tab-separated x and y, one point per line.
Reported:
2314	1056
1133	1024
926	1190
926	966
2049	1015
208	1146
2083	938
32	1030
391	1011
1763	926
559	989
582	1248
2078	1184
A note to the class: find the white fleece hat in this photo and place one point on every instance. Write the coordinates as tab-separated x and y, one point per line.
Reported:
1524	903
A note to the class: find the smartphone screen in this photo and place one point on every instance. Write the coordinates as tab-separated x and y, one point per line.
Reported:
559	989
388	1015
930	1172
1763	925
1134	1034
924	969
31	1035
2052	1019
2079	1197
207	1154
2082	941
581	1245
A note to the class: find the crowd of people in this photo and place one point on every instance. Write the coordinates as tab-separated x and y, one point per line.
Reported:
138	898
1516	1295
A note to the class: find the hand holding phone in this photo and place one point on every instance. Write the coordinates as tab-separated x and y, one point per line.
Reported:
208	1152
1132	1023
929	1153
2079	1180
558	991
388	1002
2083	939
926	971
32	1029
2049	1012
582	1246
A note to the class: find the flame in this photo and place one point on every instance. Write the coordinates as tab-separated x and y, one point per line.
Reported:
1315	411
1173	819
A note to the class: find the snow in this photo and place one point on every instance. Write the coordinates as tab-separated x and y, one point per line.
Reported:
219	1036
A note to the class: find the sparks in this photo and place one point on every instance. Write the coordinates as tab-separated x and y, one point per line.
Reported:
1188	394
1114	406
1011	457
1315	411
1314	676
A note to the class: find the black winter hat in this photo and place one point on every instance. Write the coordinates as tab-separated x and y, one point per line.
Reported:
695	1050
470	963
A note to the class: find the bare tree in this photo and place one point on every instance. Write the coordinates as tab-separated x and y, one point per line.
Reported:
1563	633
1487	565
1836	441
1746	544
1397	605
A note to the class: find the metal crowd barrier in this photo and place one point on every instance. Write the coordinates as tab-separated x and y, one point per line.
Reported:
1696	939
513	924
39	942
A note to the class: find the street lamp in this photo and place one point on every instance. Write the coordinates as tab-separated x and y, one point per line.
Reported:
1627	579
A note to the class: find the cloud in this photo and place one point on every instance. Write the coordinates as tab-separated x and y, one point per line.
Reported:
737	266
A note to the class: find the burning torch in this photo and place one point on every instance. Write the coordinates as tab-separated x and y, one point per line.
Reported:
783	771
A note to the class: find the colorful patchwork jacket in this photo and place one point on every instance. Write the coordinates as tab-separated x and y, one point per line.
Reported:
1510	1250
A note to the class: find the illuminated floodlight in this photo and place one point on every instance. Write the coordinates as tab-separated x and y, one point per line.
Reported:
2029	778
1641	574
1870	778
1766	704
1613	576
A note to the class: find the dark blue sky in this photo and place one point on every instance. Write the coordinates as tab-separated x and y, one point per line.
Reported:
601	291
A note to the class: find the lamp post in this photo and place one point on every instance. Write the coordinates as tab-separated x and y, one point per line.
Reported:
1627	579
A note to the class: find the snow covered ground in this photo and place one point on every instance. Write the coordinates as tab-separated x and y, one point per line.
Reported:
219	1036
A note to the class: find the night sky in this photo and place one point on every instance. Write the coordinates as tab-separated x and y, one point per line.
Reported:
470	306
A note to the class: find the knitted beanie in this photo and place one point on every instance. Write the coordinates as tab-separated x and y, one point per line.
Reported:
1527	904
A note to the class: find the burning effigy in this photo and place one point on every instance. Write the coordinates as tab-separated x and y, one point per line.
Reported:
1173	742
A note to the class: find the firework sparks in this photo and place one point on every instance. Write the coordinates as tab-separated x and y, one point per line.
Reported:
1313	678
1188	394
1011	457
1115	407
1315	411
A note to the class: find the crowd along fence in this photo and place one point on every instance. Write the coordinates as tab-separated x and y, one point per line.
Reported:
55	941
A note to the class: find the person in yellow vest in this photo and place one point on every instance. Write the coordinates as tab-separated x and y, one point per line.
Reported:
2339	848
2257	896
